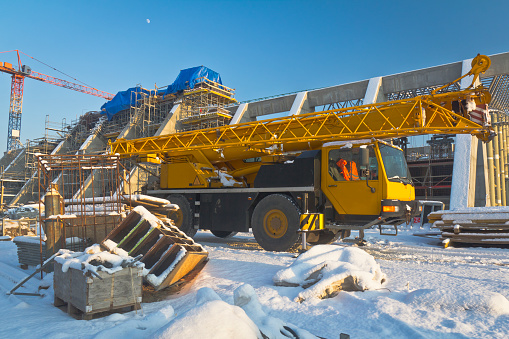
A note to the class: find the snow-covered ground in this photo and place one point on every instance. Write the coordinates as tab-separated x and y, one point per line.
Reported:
430	292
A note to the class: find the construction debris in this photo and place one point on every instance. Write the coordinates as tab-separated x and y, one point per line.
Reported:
474	225
168	254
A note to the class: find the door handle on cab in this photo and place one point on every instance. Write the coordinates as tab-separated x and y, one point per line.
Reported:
333	185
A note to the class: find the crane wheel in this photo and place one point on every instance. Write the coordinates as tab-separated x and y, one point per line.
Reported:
183	217
224	234
275	223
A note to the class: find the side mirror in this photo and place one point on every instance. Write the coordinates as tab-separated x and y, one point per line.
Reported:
364	157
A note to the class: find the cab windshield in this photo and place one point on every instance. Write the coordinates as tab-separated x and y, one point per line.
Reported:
395	164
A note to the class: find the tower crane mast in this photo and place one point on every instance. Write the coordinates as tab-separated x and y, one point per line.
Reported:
16	100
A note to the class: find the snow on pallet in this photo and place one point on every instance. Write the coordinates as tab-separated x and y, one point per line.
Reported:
96	281
475	225
168	254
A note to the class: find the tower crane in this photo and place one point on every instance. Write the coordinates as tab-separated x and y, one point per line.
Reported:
16	101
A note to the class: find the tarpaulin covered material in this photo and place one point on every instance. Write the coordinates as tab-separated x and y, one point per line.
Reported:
187	78
122	100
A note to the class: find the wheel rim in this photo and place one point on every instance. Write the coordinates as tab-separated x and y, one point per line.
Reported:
177	217
275	224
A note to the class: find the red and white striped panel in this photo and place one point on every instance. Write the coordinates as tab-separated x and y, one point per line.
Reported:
479	114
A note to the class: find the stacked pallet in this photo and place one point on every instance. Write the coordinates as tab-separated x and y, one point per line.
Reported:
168	253
86	294
29	249
475	225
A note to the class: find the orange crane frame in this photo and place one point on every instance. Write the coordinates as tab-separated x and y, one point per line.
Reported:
16	101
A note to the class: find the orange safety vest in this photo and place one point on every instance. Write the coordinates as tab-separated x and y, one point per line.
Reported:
351	174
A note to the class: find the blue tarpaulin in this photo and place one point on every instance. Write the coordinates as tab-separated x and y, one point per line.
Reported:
187	78
122	100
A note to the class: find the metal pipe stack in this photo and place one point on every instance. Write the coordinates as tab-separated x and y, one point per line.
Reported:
498	160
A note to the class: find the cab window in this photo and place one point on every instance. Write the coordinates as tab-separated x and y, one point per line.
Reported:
345	165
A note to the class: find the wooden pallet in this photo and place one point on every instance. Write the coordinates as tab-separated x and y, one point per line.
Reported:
76	313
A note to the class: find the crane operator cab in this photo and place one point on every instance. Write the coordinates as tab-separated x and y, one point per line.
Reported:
366	183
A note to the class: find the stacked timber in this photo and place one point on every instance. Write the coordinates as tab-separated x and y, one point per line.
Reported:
157	206
475	225
29	249
168	254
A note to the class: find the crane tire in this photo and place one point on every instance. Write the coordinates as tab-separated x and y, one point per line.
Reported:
183	217
224	234
275	223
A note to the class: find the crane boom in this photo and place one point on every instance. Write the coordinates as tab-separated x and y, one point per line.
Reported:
70	85
416	116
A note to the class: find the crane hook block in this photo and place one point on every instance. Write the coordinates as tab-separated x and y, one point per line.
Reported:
480	64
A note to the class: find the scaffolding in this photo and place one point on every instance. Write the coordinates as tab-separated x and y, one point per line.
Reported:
85	219
204	106
145	115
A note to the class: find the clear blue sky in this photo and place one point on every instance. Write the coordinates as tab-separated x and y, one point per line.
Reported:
260	48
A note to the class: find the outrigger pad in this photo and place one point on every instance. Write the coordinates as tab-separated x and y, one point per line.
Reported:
168	253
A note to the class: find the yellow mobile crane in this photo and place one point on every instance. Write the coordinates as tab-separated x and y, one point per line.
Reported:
270	175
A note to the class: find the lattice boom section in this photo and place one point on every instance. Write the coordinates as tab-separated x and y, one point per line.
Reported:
309	131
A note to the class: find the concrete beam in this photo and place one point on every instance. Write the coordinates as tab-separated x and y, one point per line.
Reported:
335	94
432	76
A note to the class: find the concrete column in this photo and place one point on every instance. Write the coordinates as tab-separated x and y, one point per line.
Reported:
464	177
463	173
298	103
241	110
372	91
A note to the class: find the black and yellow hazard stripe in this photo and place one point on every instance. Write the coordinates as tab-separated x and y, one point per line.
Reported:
311	222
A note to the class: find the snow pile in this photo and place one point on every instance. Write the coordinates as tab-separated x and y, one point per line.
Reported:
94	259
274	328
125	326
210	318
324	270
214	318
460	300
